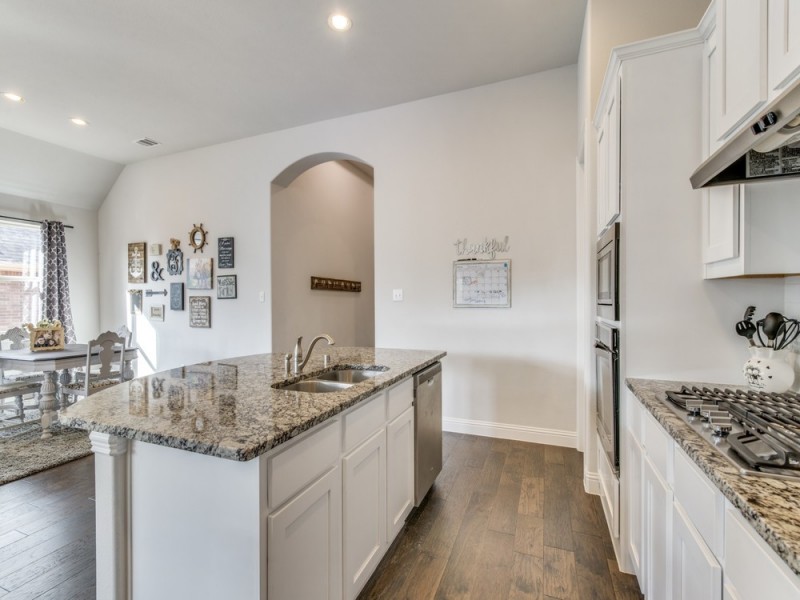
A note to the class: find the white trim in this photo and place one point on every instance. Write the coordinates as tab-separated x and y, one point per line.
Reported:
655	45
591	483
507	431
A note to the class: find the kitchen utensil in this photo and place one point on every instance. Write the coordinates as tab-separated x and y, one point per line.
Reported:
746	329
748	313
770	326
789	331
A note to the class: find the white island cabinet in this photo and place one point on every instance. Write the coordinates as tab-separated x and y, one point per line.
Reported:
303	510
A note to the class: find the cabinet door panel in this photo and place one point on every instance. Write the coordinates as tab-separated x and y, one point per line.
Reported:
364	517
304	555
635	490
657	554
742	38
601	183
784	42
696	574
400	471
613	177
721	223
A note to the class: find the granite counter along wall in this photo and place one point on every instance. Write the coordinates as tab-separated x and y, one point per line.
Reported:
771	506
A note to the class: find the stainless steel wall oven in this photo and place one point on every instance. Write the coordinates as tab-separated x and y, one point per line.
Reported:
606	350
607	274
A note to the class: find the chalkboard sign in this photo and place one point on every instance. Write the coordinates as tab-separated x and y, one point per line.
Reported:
225	253
176	296
200	311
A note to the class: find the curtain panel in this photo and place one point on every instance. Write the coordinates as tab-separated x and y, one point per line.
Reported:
55	278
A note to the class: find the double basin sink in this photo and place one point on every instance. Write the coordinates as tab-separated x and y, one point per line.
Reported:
333	381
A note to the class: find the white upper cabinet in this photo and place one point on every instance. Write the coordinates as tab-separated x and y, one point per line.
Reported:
608	151
783	43
741	29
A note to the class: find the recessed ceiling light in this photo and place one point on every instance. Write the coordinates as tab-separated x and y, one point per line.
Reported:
339	22
78	121
13	97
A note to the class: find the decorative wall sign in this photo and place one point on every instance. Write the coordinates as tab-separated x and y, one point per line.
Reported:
482	283
226	287
200	311
199	273
157	312
150	293
225	253
487	247
137	263
156	272
176	296
175	258
197	237
154	249
338	285
136	301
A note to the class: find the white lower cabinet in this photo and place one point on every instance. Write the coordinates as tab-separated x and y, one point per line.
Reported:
364	502
337	496
657	558
696	573
305	543
399	471
633	471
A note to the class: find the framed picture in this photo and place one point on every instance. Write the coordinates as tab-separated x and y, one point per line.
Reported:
226	286
200	311
482	283
225	253
157	312
155	250
136	301
199	273
176	296
137	263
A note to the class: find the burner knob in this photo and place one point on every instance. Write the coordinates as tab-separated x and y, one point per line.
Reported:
709	410
693	407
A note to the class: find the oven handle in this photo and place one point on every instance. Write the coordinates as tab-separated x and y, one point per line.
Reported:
601	347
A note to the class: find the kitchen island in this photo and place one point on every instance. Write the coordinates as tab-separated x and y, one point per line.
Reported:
212	481
714	528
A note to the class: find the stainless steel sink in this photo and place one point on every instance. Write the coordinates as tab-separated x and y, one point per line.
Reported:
349	375
315	386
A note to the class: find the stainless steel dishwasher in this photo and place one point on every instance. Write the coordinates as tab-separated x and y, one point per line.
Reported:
427	429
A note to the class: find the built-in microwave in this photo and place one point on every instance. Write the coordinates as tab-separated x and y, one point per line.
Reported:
607	274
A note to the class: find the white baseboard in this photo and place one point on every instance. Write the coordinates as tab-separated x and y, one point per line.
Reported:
591	483
520	433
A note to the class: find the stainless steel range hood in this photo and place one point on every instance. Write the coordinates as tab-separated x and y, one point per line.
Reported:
767	149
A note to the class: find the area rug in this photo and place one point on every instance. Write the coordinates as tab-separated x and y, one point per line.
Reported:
23	452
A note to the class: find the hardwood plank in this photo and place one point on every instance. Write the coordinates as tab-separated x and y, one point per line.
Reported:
477	449
560	578
554	455
43	574
573	460
80	586
71	527
531	497
557	514
501	445
10	538
529	535
503	517
583	510
626	587
495	561
594	578
527	578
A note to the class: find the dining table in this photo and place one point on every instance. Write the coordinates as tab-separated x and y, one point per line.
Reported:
49	363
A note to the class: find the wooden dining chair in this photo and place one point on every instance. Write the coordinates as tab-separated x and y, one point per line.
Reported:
101	371
18	391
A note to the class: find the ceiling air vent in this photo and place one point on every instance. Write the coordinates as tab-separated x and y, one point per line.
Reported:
147	142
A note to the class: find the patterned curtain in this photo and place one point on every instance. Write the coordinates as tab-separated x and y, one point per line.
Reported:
55	278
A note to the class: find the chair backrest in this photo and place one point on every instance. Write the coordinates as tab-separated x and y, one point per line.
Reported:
17	339
126	333
111	350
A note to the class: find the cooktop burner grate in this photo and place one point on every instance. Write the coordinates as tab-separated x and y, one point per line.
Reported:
761	429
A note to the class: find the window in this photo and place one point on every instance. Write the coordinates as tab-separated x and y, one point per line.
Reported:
20	274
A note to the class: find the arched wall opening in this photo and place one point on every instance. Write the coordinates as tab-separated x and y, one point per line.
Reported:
322	225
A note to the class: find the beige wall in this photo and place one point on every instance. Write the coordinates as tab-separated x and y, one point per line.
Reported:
611	23
322	224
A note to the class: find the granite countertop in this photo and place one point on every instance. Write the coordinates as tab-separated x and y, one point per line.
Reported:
770	505
227	408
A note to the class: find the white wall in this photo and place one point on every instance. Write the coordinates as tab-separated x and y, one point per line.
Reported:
81	254
491	161
322	224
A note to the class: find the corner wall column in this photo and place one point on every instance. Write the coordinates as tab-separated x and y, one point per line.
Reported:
111	515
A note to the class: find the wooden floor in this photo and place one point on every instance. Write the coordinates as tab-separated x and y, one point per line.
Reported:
504	520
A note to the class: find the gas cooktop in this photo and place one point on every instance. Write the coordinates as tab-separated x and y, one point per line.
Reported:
757	432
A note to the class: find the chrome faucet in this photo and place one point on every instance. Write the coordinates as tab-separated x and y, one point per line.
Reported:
298	351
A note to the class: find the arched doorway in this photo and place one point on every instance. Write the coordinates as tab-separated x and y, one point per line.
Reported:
322	225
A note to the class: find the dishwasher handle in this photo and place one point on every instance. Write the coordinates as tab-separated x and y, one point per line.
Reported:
427	375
